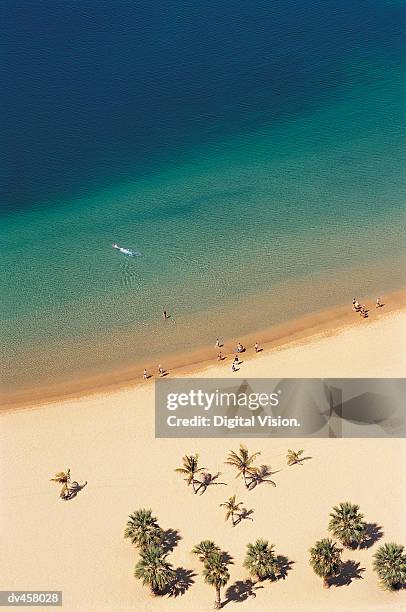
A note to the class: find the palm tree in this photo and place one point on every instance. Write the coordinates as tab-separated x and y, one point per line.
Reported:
232	507
216	574
325	559
62	478
390	565
346	524
293	457
143	529
260	560
242	461
205	549
154	570
190	469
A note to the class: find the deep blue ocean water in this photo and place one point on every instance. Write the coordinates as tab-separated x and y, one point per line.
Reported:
240	146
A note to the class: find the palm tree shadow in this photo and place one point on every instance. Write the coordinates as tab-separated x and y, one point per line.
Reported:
350	570
227	557
240	591
304	459
74	489
244	515
170	540
373	533
260	475
284	566
207	480
182	581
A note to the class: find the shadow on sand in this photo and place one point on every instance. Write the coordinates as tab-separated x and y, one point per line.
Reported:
350	570
260	475
284	566
74	489
207	480
170	540
373	533
244	515
182	581
240	591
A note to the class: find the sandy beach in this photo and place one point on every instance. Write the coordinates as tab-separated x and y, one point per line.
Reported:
108	440
201	203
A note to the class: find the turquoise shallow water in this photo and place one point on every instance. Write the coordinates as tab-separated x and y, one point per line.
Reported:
239	231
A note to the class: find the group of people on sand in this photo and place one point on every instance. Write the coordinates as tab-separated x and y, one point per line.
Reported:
239	349
356	306
161	372
362	309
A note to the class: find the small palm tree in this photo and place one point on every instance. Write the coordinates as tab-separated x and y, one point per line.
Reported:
260	560
154	570
62	478
242	461
204	550
216	574
190	469
143	529
390	565
346	524
294	457
232	507
325	559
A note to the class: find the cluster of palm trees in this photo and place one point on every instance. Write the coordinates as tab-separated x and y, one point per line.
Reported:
242	461
198	477
347	525
260	561
152	569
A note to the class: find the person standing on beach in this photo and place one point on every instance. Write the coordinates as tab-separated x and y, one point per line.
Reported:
378	303
164	315
160	370
256	347
145	376
217	343
219	356
233	368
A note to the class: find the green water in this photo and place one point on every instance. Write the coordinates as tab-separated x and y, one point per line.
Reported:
227	233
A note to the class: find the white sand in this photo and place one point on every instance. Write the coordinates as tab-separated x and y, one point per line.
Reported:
108	439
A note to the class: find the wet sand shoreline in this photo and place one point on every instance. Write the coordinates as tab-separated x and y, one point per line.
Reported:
300	330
